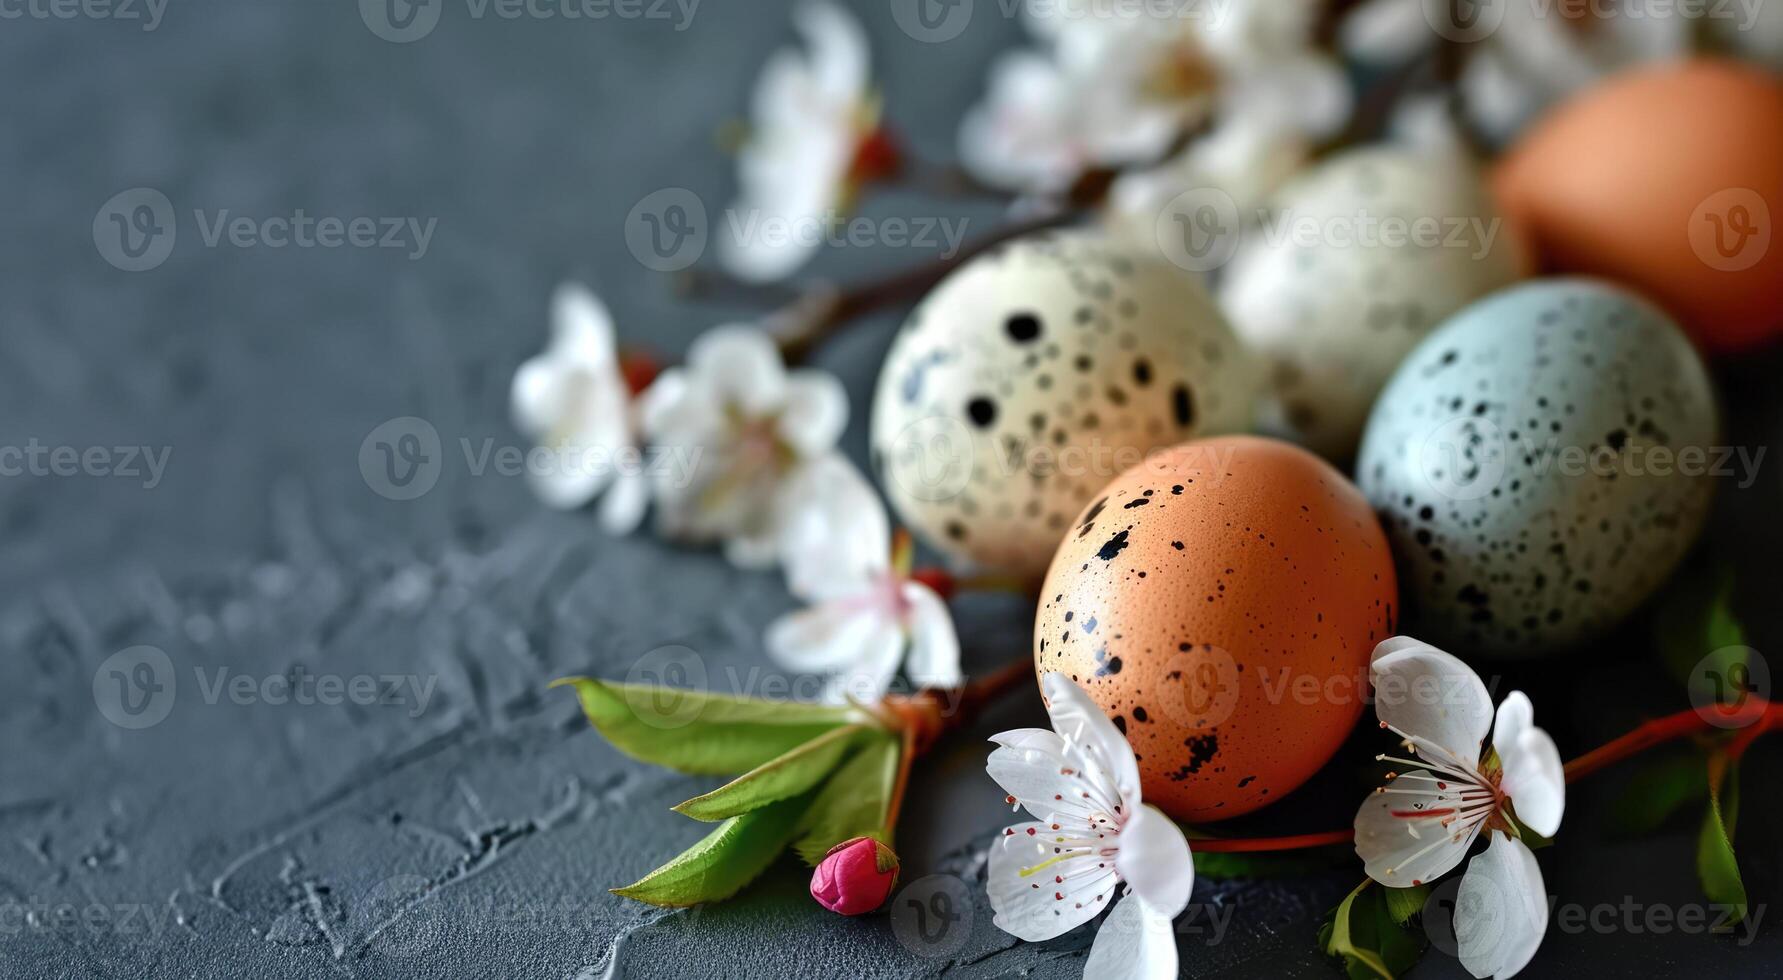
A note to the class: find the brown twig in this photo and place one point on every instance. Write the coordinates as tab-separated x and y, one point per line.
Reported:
801	325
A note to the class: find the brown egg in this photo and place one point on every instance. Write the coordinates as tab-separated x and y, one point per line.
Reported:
1670	181
1220	602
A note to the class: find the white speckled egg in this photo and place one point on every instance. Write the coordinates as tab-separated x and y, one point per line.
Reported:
1355	262
1541	463
1037	373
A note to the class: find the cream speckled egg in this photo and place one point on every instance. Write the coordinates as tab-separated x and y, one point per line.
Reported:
1355	262
1037	373
1541	463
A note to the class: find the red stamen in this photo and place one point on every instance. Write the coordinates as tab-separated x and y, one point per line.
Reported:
638	369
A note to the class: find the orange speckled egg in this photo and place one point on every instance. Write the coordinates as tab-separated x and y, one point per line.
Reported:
1668	180
1220	602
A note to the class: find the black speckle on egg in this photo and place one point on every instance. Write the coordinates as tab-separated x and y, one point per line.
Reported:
982	411
1089	519
1023	328
1115	546
1183	405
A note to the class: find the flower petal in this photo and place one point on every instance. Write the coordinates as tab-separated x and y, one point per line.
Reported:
1501	911
741	367
815	414
622	509
1534	776
581	327
1088	730
1135	942
934	657
753	550
1022	738
562	486
868	677
1386	31
1154	860
538	394
835	537
1404	837
1044	902
1433	698
838	49
1031	765
823	638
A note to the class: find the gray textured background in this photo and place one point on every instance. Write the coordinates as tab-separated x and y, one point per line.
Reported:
478	837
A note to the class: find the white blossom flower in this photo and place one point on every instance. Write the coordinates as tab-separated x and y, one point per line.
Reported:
1533	58
867	614
815	140
1421	824
1114	91
1245	158
574	402
1093	833
740	429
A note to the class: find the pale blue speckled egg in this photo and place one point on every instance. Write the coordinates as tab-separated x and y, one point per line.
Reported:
1541	463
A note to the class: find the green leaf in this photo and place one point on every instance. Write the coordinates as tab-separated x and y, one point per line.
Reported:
700	733
854	801
1715	863
777	779
1364	932
731	856
1405	904
1657	792
1701	641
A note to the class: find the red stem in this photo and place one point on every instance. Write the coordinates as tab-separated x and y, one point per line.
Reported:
1754	717
1236	845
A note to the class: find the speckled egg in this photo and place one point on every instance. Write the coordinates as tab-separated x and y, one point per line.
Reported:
1541	464
1035	374
1667	179
1220	603
1357	261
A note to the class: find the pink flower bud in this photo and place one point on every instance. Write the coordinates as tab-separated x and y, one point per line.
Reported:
855	877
